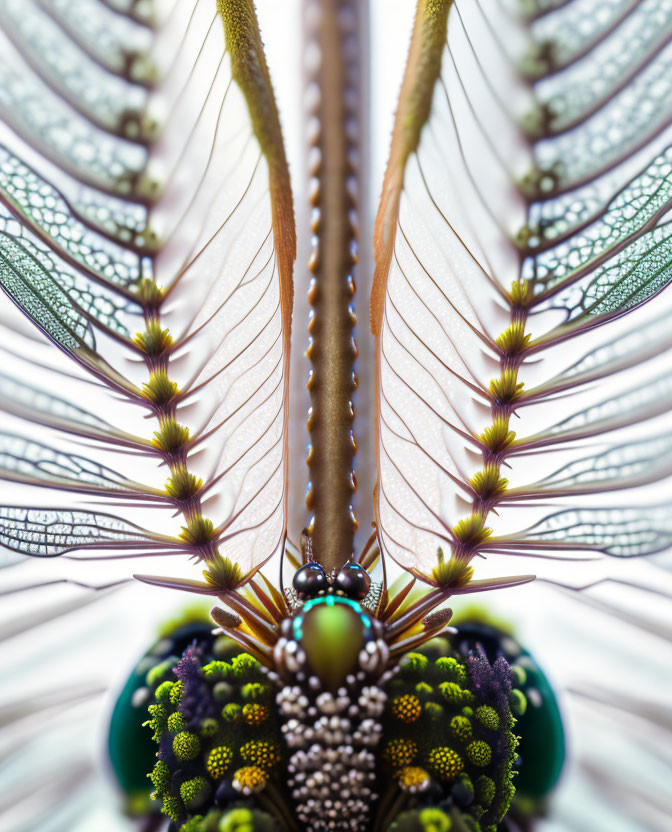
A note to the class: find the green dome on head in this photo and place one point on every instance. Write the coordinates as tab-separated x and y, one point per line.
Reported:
332	632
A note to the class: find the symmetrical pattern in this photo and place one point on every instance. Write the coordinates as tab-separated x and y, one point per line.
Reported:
522	384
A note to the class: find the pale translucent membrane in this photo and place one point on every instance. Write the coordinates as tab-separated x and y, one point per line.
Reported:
609	660
608	489
64	644
612	782
582	86
604	426
578	26
188	205
443	311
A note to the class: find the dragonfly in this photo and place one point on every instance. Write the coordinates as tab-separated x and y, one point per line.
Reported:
515	395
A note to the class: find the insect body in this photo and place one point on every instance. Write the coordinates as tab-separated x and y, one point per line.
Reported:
341	719
331	658
147	230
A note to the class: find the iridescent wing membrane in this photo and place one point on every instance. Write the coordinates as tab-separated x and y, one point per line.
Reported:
146	229
524	226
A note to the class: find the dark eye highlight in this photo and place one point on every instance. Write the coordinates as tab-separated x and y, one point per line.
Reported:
353	581
309	580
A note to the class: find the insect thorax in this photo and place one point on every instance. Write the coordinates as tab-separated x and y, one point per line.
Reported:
331	658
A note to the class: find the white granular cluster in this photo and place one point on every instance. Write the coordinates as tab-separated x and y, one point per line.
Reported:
332	766
292	702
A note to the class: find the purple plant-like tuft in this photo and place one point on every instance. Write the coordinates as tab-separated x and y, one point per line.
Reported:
490	682
196	703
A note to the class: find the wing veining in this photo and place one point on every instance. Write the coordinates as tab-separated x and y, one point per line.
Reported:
519	362
146	228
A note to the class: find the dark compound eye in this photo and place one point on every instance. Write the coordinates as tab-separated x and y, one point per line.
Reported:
353	581
309	580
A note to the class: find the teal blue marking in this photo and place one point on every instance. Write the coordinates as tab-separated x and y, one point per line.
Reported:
330	601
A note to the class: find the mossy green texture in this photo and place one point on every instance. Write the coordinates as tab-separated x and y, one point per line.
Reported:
450	718
171	436
472	741
238	819
182	485
160	389
427	46
129	742
218	728
195	792
154	340
456	571
250	72
198	532
542	747
186	746
223	573
175	723
434	819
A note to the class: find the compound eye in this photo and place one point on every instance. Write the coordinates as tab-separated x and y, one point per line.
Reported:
353	581
309	580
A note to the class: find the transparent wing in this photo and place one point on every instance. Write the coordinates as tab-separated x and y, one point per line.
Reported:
146	229
523	377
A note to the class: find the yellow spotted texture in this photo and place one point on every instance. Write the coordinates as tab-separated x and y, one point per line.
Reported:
445	762
400	752
251	778
261	753
254	713
218	761
407	708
